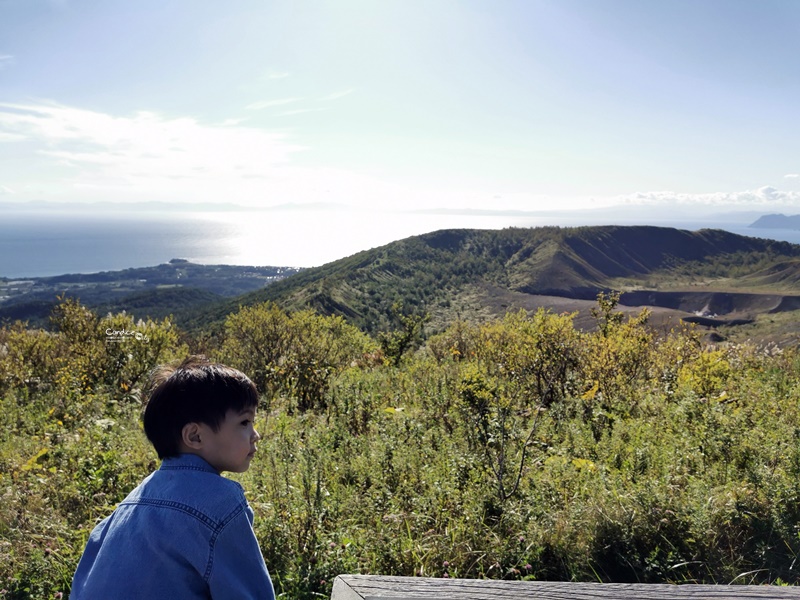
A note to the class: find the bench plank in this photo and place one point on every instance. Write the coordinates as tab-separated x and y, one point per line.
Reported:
377	587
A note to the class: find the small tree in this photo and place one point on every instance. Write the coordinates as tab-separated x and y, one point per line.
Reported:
615	360
295	354
147	343
524	364
604	311
397	342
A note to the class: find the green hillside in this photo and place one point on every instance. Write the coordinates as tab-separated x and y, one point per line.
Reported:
710	276
153	292
483	273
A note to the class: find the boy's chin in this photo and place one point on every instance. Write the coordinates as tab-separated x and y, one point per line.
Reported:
241	468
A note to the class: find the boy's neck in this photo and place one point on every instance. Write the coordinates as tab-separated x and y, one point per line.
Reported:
190	452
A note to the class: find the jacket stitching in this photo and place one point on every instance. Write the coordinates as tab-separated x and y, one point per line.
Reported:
212	524
213	541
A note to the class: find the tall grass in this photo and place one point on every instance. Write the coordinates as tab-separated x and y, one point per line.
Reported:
519	449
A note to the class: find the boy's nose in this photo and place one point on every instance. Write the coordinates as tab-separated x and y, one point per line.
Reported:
256	435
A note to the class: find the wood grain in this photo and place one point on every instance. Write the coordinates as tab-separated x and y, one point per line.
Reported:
376	587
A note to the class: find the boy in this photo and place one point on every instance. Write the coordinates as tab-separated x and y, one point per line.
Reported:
185	532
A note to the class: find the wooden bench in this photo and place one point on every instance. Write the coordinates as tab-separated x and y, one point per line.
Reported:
377	587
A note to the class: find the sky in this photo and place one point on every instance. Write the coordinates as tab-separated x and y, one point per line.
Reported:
451	106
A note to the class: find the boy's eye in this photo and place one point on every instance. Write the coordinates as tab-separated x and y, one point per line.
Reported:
246	422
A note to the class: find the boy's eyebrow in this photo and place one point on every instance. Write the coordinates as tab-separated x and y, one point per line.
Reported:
246	411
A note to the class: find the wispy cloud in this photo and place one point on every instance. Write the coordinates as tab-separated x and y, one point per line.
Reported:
287	101
269	103
298	111
764	196
143	151
337	95
792	176
6	60
277	75
85	155
6	136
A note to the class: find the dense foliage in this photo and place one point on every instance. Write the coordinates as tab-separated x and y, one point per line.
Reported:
518	448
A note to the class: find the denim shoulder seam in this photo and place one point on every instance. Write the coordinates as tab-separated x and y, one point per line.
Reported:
212	524
186	468
213	541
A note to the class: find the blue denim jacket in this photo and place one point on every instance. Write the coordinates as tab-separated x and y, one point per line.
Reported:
184	532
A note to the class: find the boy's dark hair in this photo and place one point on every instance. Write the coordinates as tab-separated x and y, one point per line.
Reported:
195	391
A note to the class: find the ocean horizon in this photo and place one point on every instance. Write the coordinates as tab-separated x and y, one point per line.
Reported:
39	244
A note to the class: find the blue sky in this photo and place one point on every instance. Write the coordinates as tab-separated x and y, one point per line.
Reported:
477	104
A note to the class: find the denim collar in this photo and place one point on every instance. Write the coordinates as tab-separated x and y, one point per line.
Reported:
190	462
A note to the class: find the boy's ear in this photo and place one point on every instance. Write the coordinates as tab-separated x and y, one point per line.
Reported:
191	436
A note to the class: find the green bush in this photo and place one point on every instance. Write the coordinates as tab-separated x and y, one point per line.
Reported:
521	448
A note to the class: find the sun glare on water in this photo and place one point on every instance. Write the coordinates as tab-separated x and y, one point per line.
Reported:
307	238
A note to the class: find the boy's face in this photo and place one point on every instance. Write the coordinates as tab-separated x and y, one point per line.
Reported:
232	447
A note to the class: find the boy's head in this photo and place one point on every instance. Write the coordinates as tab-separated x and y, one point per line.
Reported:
196	391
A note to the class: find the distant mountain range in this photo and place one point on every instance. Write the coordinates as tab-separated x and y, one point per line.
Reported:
777	221
710	276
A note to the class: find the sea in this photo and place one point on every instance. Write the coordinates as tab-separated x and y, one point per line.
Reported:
42	244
